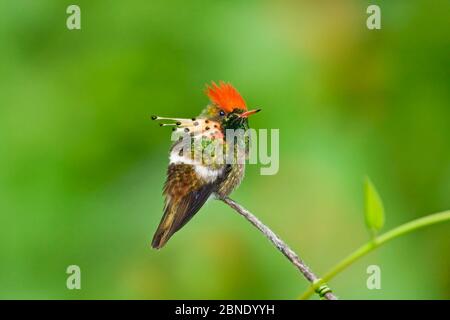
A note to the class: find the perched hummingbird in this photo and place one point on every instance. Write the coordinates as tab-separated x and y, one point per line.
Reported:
196	175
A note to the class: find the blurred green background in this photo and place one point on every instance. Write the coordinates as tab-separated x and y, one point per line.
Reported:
82	166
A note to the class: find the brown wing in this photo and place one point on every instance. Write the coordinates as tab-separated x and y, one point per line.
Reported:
185	195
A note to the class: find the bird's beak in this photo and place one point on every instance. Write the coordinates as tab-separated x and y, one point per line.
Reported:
249	113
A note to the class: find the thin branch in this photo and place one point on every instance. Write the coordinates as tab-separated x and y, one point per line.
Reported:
281	246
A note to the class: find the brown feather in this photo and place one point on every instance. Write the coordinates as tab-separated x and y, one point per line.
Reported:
185	195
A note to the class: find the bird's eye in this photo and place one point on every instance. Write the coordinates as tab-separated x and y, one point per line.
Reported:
221	113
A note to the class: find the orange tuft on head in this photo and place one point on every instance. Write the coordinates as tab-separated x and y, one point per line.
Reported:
225	96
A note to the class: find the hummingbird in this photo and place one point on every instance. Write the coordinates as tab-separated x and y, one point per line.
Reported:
193	175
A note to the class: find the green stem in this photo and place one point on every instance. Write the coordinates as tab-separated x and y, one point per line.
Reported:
375	243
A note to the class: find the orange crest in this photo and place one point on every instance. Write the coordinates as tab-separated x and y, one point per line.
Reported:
225	96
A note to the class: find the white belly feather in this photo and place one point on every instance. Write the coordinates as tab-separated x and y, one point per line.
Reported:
205	172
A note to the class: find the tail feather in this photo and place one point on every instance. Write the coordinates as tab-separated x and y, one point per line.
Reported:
178	213
165	228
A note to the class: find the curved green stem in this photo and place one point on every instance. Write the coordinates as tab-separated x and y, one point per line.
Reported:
375	243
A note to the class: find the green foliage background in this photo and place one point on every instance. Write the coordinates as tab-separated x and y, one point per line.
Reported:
82	166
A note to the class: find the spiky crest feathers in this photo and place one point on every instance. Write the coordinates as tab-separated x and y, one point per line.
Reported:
225	96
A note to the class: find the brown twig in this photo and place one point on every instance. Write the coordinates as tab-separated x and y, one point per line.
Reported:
281	246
